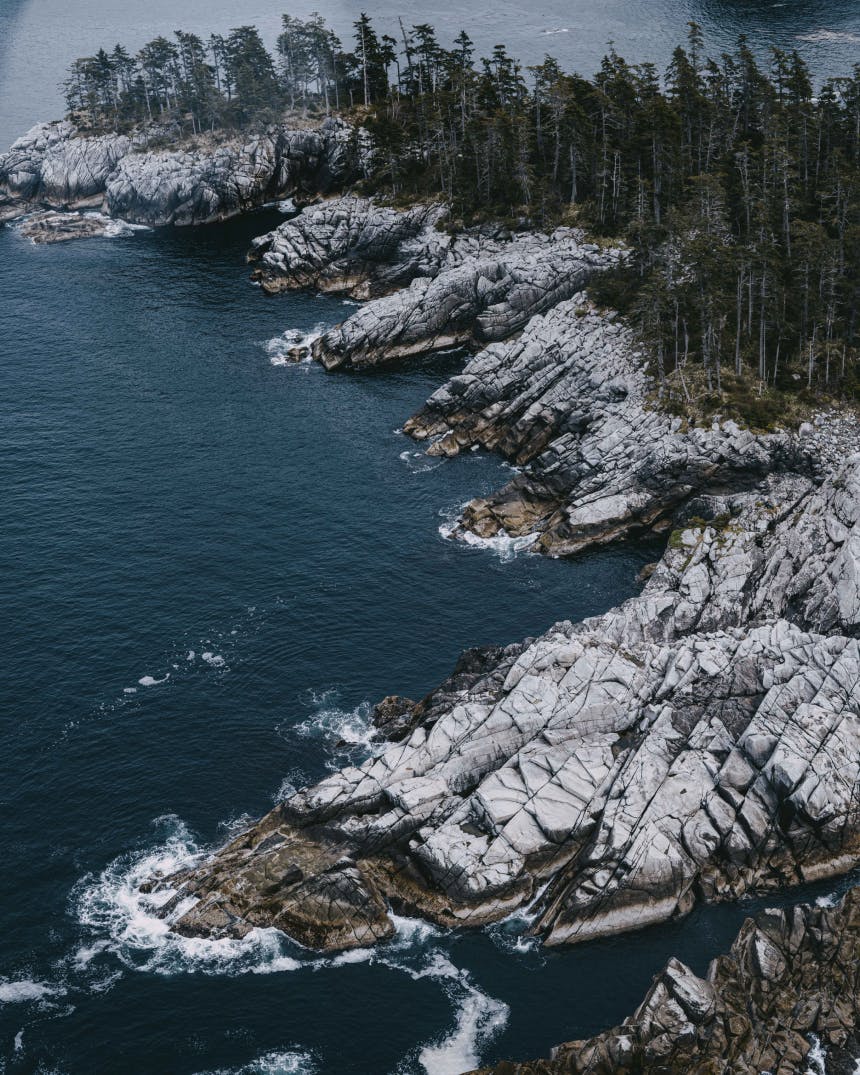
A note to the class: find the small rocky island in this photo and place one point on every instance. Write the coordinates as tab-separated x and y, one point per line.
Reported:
656	296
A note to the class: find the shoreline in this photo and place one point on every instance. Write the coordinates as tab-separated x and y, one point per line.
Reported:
554	772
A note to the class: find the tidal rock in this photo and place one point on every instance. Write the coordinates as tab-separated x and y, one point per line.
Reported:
52	164
471	299
700	742
49	226
787	991
204	179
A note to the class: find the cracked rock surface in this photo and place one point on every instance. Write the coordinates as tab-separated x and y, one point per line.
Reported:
471	300
568	401
352	246
483	284
697	743
789	984
204	180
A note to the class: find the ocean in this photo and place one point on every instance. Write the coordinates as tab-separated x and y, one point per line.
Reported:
212	564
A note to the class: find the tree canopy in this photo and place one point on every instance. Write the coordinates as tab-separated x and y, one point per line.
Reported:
736	185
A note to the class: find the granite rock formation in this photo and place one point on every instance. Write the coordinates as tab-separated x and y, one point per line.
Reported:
700	742
697	743
352	246
430	289
787	992
570	401
132	178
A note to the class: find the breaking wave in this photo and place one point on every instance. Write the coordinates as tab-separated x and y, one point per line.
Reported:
293	347
347	734
124	922
116	229
507	548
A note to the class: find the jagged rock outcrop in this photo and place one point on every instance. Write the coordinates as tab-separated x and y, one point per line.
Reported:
569	402
352	246
470	300
787	992
203	180
699	742
52	165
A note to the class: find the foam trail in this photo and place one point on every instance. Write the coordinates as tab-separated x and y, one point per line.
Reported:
274	1063
480	1018
24	990
293	347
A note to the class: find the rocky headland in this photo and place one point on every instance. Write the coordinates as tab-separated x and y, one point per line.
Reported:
152	177
700	742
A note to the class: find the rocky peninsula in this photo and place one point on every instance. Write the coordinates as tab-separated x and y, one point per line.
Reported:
153	177
700	742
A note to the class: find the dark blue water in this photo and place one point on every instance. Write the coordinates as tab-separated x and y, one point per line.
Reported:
210	565
259	545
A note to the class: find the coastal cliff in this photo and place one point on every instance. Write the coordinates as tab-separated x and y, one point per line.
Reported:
700	742
132	178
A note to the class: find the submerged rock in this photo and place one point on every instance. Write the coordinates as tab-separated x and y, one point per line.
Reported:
49	226
786	994
700	742
202	180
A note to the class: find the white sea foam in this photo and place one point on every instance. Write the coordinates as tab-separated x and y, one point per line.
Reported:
127	926
818	37
507	548
286	205
419	462
24	990
293	347
116	229
129	690
292	1062
214	660
556	30
151	681
346	732
19	1041
126	923
816	1057
480	1018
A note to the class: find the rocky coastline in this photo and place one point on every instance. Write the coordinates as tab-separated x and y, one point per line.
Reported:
152	177
700	742
783	1000
697	743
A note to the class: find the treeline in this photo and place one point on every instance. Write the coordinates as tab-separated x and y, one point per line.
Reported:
735	185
